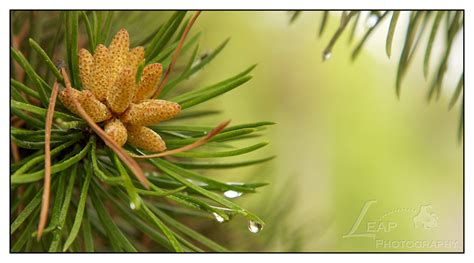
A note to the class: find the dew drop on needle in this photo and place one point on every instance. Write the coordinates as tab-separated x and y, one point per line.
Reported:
372	20
219	218
326	56
232	194
255	227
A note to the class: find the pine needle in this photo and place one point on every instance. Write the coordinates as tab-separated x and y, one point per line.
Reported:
391	32
132	164
434	31
295	15
47	161
188	147
176	54
345	19
324	21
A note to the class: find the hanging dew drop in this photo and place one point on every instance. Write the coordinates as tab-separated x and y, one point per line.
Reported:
219	218
132	206
372	20
327	55
232	194
255	227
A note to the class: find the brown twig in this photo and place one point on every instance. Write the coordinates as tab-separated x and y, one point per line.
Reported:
15	152
132	164
18	123
188	147
20	73
47	161
176	54
16	41
32	100
18	38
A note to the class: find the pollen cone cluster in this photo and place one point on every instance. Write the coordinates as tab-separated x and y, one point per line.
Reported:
112	95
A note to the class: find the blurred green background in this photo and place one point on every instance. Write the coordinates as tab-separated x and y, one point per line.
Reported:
342	138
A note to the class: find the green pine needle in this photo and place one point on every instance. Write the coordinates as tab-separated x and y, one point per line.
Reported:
391	32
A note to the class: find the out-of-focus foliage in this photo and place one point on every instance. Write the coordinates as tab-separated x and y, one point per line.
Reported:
343	137
442	26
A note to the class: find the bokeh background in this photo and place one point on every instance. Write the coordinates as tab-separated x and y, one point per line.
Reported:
341	139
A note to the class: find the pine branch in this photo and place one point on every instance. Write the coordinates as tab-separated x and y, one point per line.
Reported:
97	168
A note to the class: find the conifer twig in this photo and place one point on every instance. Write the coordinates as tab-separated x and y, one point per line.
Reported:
16	41
47	161
175	55
18	123
188	147
132	164
15	152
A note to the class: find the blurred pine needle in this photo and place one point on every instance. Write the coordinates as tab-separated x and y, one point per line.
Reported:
449	23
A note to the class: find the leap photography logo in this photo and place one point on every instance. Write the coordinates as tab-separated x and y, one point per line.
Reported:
423	217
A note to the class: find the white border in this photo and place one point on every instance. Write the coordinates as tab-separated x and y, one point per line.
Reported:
243	4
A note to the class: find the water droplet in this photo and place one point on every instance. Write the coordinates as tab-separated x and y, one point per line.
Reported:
219	218
372	20
327	56
132	206
254	227
232	194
